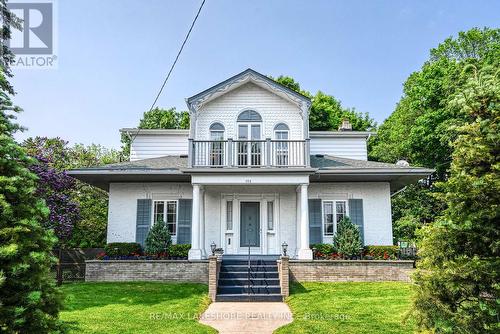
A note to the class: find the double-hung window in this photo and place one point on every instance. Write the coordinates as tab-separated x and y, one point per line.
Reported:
166	211
333	213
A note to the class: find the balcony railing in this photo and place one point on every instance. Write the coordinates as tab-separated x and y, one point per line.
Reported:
248	153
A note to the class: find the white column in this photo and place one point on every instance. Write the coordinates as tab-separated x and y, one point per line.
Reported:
195	252
297	221
202	223
305	252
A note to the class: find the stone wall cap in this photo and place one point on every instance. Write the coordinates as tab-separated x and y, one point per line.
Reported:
352	261
146	261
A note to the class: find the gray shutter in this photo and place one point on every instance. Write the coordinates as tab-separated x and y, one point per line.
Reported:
184	221
356	215
143	220
315	220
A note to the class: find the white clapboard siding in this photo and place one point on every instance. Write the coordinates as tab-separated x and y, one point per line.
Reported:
158	145
352	148
272	108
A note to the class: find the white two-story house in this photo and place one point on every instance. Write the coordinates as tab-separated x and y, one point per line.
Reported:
249	174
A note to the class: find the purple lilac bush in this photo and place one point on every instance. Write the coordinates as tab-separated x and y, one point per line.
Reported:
55	187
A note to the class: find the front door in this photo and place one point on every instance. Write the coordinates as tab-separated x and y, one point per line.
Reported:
250	224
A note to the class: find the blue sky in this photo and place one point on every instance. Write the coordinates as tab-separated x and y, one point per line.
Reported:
114	54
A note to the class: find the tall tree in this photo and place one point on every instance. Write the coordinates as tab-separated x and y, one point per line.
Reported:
29	300
423	125
457	288
326	111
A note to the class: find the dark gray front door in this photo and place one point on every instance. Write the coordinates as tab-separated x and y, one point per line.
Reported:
250	224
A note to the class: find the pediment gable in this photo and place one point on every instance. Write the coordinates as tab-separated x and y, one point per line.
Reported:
196	102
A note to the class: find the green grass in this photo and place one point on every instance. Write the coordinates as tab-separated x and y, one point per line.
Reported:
134	308
173	308
349	308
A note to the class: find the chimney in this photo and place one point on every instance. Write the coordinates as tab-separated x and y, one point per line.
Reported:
345	126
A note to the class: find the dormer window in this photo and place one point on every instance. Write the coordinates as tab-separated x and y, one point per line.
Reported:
216	144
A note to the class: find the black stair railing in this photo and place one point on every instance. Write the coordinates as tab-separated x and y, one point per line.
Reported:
249	229
248	274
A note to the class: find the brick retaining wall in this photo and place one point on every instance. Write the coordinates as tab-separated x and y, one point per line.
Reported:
144	270
354	271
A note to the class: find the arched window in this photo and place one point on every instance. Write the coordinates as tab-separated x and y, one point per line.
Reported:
216	144
281	131
217	131
249	116
281	134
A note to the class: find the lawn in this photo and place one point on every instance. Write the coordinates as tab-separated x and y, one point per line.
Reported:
173	308
349	308
134	308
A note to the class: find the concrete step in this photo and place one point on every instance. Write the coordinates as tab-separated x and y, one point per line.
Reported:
243	274
245	289
245	262
275	297
244	281
256	268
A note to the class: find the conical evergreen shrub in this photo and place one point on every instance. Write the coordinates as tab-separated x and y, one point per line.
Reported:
347	240
158	239
29	300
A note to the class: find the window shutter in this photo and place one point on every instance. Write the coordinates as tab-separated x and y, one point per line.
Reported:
315	221
184	221
356	215
143	220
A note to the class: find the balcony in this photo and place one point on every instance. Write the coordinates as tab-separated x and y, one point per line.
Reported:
248	153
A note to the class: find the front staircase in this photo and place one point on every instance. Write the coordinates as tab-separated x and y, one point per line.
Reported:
239	282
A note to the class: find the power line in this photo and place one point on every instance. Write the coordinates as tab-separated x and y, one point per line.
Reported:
173	64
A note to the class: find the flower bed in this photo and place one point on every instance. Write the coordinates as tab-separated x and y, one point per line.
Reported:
327	252
127	251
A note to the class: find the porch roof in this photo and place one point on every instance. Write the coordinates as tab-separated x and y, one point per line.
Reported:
324	168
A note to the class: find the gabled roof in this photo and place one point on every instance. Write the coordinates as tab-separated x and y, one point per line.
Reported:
195	102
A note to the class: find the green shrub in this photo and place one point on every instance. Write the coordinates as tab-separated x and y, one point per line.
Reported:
382	252
322	250
347	240
179	250
158	239
122	248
